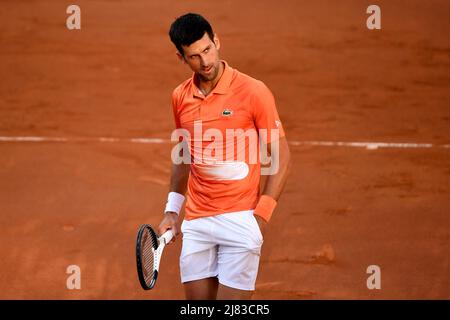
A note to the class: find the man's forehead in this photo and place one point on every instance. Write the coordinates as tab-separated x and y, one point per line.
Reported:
198	46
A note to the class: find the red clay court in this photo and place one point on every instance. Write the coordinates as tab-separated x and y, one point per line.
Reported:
78	195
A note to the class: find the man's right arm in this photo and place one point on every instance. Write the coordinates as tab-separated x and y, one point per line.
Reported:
178	178
178	183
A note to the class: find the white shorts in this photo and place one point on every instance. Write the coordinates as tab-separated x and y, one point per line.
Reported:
227	246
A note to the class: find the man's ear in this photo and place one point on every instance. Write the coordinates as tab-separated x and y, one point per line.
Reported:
180	56
216	41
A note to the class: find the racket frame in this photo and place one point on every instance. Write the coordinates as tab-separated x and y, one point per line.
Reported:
160	243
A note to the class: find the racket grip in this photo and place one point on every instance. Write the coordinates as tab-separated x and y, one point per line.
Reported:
167	236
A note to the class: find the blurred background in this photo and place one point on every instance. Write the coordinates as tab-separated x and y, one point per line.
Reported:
68	196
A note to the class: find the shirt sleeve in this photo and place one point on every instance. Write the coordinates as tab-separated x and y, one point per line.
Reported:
176	115
265	115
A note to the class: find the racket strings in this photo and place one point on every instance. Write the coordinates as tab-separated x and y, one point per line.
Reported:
148	256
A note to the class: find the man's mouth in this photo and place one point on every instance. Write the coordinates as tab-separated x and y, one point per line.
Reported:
208	70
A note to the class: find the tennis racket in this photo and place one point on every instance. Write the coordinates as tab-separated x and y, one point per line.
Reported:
149	249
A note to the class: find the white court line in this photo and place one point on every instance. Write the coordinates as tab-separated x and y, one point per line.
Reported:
33	139
366	145
96	139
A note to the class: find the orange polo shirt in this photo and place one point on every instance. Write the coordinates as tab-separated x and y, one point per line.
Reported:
223	130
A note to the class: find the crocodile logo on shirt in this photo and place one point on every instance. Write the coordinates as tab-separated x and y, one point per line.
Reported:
227	112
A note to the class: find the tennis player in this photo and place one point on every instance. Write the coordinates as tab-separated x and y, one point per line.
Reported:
225	214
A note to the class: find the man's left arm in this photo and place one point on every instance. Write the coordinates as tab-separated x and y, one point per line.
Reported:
275	182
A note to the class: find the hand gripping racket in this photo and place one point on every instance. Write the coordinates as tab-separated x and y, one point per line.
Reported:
149	249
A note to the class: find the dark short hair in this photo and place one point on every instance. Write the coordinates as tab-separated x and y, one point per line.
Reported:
187	29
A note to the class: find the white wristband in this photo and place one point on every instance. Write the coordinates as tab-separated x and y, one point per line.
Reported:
175	202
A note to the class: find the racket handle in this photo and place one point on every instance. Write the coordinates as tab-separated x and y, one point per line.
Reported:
167	236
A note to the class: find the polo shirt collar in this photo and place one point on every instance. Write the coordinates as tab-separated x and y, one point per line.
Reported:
222	86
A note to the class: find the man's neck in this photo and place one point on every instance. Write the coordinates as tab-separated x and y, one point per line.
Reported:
207	86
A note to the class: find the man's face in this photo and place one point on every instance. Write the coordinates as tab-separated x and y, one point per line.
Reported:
202	56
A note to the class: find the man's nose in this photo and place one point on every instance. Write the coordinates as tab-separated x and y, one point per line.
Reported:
203	61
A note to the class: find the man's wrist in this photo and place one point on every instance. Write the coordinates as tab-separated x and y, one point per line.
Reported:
174	203
171	214
265	207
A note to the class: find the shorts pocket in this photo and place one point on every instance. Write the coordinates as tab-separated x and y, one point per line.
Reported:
182	227
256	227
